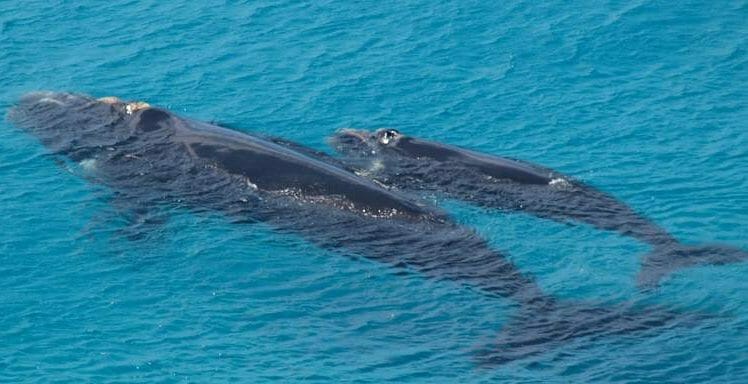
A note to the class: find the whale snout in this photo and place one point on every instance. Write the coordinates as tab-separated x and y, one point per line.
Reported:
50	98
63	121
35	110
40	104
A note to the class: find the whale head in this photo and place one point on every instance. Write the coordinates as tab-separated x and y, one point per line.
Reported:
382	142
362	143
70	124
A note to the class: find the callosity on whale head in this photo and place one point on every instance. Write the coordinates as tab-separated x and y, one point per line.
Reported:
362	143
71	124
354	142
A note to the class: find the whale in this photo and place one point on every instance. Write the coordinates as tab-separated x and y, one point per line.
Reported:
150	158
414	164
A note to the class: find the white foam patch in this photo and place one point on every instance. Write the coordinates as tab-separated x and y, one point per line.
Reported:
88	165
560	183
374	168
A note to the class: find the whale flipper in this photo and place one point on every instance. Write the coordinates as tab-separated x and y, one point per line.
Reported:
667	258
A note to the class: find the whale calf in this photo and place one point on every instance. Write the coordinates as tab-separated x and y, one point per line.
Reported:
150	158
410	163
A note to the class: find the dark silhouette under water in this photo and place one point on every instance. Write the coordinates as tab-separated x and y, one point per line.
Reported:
151	158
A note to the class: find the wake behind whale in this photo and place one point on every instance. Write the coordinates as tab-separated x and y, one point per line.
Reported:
151	158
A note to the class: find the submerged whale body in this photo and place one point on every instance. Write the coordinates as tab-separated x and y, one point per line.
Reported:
411	163
150	157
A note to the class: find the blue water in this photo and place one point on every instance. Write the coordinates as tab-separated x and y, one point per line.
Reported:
647	100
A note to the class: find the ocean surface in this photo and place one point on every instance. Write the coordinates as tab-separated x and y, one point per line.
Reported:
646	100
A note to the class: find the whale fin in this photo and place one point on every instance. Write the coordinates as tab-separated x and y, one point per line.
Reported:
664	259
130	218
143	225
535	331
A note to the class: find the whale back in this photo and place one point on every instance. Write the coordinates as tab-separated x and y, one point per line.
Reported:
494	166
273	168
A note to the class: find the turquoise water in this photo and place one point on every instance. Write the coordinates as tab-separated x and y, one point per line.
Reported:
646	100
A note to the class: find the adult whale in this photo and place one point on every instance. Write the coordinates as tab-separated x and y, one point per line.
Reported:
414	164
150	157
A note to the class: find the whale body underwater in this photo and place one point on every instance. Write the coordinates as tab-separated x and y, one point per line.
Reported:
413	164
151	158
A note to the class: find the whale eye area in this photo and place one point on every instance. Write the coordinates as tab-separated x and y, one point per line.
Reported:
152	119
386	136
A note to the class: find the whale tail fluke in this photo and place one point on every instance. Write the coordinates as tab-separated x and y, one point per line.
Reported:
533	332
664	259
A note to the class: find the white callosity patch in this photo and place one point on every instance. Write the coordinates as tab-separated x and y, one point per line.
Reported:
109	99
136	106
130	107
51	100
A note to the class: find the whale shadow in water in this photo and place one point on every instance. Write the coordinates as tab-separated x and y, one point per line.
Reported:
413	164
150	158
